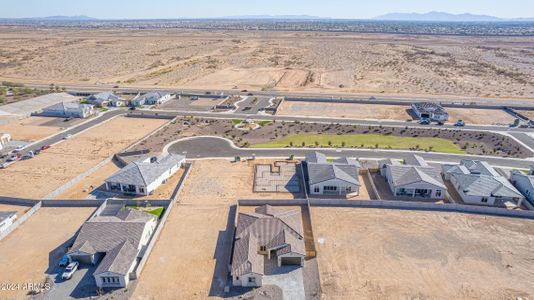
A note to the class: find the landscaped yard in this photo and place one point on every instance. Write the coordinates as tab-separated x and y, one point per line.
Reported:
365	141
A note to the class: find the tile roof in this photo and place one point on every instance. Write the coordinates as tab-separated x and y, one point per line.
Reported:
144	172
152	96
484	185
320	170
116	234
415	160
268	226
402	175
430	107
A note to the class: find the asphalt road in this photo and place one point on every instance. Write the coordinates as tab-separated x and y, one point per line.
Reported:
408	99
210	147
74	130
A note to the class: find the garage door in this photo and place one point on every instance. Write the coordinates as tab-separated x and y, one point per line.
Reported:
291	261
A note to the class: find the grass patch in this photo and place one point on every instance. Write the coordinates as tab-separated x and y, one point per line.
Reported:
365	141
263	123
236	121
158	212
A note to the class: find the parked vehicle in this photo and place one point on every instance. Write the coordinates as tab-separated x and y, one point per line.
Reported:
28	155
250	94
69	270
45	147
68	119
194	97
65	261
244	91
14	157
18	149
460	123
68	136
37	152
424	122
115	86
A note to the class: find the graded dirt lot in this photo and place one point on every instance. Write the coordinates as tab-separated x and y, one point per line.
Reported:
389	254
194	238
528	113
385	64
41	175
480	116
20	210
344	110
30	129
27	252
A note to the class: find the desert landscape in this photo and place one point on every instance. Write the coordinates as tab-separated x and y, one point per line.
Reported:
384	254
287	61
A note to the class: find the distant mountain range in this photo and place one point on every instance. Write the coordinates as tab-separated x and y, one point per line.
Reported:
444	17
277	17
56	18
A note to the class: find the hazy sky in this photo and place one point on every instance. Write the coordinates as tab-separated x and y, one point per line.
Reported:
354	9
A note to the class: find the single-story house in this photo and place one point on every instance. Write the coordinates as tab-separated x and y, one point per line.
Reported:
268	233
525	184
478	183
414	178
429	110
144	175
69	109
7	218
151	98
113	240
337	177
106	99
4	139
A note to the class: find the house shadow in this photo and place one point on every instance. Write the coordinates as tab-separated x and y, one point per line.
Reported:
222	255
412	114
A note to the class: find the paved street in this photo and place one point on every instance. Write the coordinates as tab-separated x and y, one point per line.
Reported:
203	147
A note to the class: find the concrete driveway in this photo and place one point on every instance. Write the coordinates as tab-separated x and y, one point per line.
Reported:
289	278
81	285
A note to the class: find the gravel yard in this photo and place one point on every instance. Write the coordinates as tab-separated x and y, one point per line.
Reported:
390	254
33	249
41	175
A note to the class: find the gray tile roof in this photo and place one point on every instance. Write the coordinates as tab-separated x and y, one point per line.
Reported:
402	175
6	214
484	185
103	97
152	96
118	260
320	170
144	172
415	160
114	234
274	228
430	108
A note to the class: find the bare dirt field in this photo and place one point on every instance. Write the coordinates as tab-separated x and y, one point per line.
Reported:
480	116
82	189
30	129
409	65
28	252
41	175
385	254
194	239
528	113
344	110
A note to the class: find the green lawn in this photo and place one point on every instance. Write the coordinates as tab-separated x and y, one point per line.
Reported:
156	212
365	141
236	121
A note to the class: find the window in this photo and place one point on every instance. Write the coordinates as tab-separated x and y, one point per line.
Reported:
330	188
438	193
348	189
316	189
484	200
263	248
141	190
252	279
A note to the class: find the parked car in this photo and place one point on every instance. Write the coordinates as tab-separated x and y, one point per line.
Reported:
194	97
45	147
68	119
18	149
28	155
208	93
69	270
459	123
250	94
65	261
115	86
37	152
14	157
424	122
68	136
244	91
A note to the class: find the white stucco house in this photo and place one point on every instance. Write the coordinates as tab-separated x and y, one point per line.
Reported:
114	240
7	218
413	178
106	99
524	184
4	139
431	111
152	98
478	183
269	233
337	177
144	175
69	109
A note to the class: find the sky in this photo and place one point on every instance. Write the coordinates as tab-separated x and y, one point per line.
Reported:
349	9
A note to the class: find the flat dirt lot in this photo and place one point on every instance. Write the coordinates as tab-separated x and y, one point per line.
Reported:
480	116
30	129
344	110
17	208
388	254
41	175
528	113
30	249
408	65
194	237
